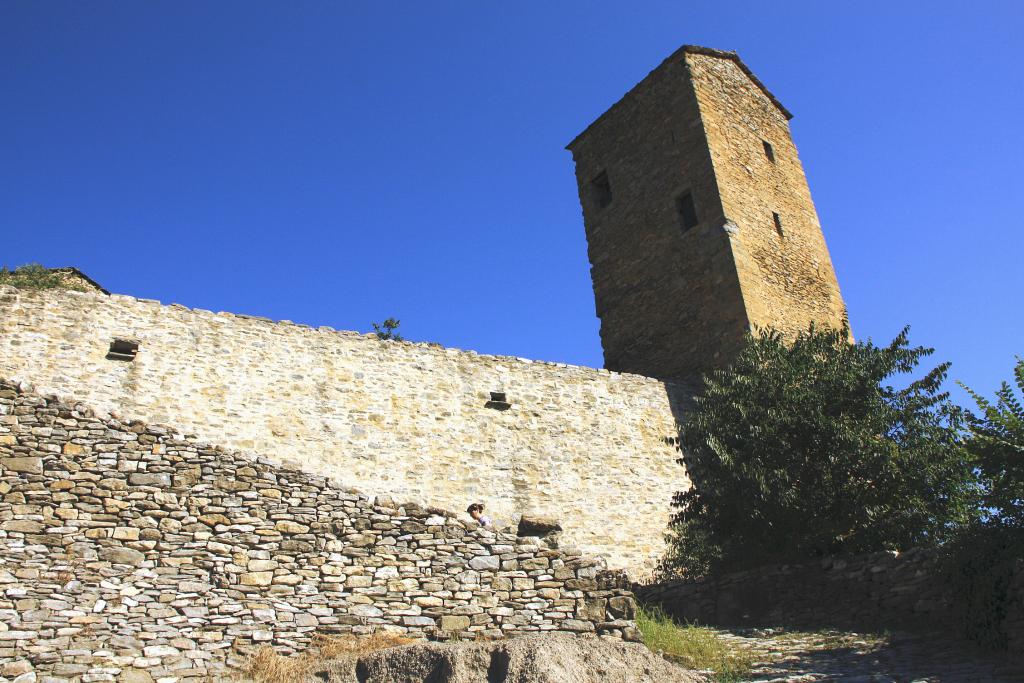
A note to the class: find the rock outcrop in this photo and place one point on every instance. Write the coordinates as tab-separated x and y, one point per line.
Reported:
540	658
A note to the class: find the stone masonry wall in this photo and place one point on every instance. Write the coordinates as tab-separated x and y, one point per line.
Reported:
787	279
669	300
129	553
410	420
677	292
866	592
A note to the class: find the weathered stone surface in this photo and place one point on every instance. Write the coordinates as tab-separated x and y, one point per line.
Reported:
257	578
28	465
528	659
454	623
677	289
491	562
340	404
120	555
24	526
141	479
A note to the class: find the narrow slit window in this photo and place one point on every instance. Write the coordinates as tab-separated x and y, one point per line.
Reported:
769	151
122	349
778	223
601	188
687	211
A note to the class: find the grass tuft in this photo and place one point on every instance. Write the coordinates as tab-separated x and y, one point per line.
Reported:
694	647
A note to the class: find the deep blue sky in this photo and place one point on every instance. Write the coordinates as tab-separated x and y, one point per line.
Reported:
338	163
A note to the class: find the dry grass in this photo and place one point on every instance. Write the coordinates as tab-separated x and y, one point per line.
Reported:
267	666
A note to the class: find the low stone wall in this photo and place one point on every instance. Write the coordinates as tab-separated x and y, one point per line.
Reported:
130	553
863	593
868	591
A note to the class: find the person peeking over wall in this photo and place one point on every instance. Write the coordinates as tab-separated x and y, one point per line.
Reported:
476	511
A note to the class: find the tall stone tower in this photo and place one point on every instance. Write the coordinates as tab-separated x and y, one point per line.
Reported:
699	221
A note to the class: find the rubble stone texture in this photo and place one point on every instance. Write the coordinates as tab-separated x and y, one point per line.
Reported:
128	552
676	301
591	448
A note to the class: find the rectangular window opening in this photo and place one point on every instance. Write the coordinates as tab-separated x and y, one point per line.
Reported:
122	349
498	401
778	223
687	211
769	151
601	189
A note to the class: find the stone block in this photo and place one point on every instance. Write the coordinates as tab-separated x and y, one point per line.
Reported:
119	555
485	563
452	623
149	479
256	578
25	465
24	526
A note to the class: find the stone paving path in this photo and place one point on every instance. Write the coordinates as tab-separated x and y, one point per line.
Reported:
856	658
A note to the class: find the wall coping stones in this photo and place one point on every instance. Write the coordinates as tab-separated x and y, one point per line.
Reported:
326	329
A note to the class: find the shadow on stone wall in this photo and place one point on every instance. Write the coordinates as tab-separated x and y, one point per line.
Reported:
864	593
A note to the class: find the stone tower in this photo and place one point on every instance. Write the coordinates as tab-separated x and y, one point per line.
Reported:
699	220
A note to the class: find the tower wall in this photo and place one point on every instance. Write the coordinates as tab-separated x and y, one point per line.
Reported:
677	289
669	301
787	279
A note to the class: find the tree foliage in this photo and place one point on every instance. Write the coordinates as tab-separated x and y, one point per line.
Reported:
803	449
981	563
997	442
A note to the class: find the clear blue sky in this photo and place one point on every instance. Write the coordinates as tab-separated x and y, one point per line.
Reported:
338	163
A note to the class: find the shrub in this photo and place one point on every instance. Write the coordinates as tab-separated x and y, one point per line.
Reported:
997	443
35	276
979	565
386	329
802	449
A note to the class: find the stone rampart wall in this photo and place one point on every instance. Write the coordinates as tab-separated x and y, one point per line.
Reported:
415	421
868	592
129	553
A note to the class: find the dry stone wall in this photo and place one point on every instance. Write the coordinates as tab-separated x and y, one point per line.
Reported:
589	447
866	592
130	553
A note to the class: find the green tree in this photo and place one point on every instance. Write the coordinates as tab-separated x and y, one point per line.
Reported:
800	450
997	442
386	329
